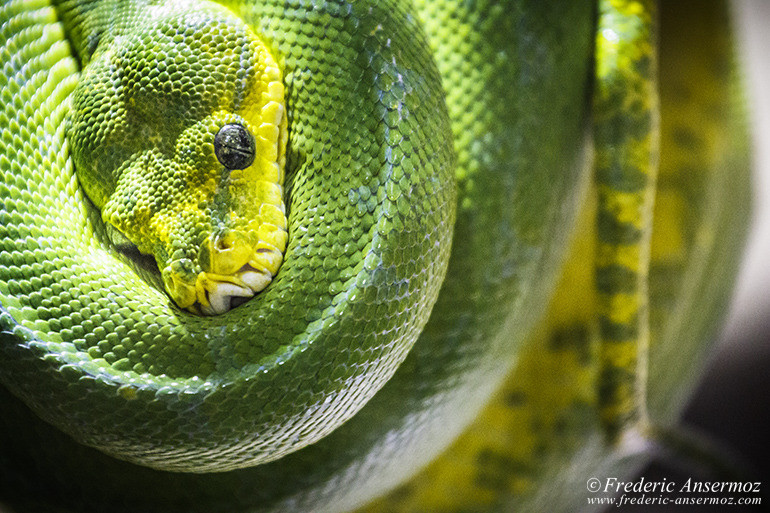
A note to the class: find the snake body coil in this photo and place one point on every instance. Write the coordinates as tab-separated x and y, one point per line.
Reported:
381	136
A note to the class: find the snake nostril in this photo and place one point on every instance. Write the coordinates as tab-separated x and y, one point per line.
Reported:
225	252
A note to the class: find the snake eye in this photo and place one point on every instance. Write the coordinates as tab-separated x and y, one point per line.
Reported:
234	146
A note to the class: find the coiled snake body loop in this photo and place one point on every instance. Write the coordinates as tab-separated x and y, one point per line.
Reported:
396	184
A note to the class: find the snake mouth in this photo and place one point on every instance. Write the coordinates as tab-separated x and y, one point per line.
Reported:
228	271
233	268
216	293
224	285
211	293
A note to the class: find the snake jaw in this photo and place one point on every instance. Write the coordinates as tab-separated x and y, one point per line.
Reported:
234	268
216	293
178	278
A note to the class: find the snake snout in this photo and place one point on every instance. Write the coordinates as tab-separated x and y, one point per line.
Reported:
231	272
225	252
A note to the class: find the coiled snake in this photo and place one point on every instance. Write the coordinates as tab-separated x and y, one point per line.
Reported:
278	256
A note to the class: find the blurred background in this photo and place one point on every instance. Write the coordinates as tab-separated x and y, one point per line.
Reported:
734	398
732	402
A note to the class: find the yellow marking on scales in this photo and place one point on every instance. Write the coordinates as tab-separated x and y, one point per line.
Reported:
623	255
502	451
624	206
244	259
620	308
626	138
203	190
187	163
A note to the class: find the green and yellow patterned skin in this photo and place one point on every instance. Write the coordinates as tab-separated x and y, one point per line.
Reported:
299	256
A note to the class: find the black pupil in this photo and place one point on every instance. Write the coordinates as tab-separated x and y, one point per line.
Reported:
234	146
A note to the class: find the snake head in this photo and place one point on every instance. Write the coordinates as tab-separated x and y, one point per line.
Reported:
178	135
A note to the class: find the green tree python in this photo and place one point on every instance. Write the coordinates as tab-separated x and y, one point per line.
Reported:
319	255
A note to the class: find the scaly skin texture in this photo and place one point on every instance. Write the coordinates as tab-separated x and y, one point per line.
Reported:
541	436
214	222
370	201
362	266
